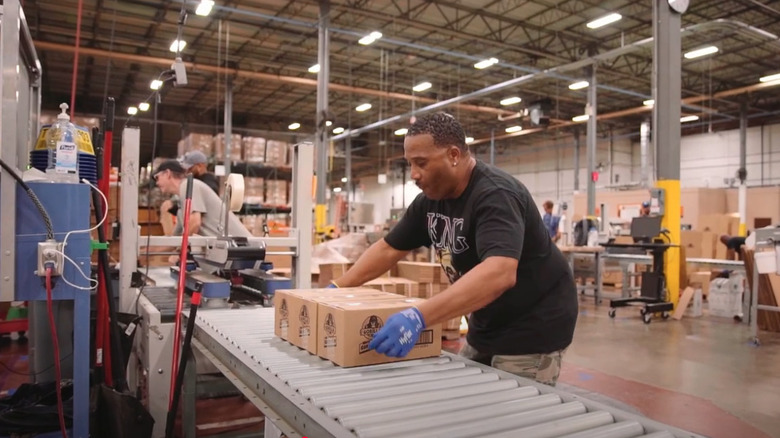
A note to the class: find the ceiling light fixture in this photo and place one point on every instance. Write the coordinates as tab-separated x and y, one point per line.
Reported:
422	86
204	8
336	189
328	123
370	38
294	126
689	119
469	140
156	84
338	130
579	85
343	179
605	20
182	44
516	128
314	68
510	101
770	78
698	53
401	131
143	106
485	63
580	118
363	107
132	110
648	102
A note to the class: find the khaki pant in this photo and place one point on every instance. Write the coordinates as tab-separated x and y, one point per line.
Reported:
543	367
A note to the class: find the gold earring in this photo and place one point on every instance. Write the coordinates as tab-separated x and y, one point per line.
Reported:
454	164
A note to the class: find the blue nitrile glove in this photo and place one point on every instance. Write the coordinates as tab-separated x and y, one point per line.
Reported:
332	285
399	334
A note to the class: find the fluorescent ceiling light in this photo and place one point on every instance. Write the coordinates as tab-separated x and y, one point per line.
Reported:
294	126
336	189
328	123
314	68
338	130
579	85
485	63
605	20
182	44
512	129
156	84
343	179
511	100
580	118
143	106
401	131
469	140
704	51
648	102
204	8
363	107
689	119
771	78
370	38
132	110
422	86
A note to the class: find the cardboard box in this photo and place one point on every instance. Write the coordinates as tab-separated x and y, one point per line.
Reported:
331	271
699	244
346	328
406	287
428	290
420	272
700	280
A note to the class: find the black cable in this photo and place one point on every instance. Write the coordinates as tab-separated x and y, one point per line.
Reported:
110	50
10	370
34	198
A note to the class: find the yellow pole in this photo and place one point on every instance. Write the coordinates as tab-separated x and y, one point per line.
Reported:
671	221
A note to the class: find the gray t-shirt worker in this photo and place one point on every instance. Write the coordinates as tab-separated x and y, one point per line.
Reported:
207	210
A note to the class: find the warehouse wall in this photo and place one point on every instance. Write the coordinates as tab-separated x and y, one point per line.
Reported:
546	166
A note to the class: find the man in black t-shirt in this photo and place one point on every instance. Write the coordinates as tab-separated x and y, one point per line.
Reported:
490	238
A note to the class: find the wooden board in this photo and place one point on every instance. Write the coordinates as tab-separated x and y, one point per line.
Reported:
682	305
768	290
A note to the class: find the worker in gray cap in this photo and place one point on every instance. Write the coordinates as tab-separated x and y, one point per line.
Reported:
196	162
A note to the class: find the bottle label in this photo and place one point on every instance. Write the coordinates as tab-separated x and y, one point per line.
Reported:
67	157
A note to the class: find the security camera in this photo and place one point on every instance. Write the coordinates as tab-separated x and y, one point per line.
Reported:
179	72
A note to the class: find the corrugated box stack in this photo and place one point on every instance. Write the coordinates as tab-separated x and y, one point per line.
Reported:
236	147
276	192
431	280
338	324
197	142
254	149
254	190
276	153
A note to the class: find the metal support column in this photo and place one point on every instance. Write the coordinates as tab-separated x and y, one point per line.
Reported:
228	143
591	141
644	145
321	139
348	175
303	172
493	147
131	144
576	159
667	68
742	172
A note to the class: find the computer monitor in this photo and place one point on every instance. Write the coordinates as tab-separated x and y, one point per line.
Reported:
645	228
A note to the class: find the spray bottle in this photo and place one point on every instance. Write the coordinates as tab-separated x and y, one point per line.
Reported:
63	161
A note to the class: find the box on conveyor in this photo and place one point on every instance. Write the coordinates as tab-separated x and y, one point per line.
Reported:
347	327
295	315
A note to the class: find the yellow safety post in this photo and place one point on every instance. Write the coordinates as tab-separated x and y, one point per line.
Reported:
671	221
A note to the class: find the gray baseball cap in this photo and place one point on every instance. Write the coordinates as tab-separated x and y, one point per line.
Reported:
192	158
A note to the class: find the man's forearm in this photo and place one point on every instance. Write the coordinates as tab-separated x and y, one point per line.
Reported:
478	288
377	260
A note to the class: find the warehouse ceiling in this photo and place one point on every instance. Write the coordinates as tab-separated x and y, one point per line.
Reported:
267	48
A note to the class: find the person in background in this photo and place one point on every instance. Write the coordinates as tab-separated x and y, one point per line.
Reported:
503	269
196	163
645	210
551	221
207	210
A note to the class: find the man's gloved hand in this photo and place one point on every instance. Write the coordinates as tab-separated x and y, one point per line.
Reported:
399	334
332	285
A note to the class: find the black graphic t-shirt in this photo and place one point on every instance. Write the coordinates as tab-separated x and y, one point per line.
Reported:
496	216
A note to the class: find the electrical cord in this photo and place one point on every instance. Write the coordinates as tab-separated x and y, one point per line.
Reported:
56	346
12	371
105	215
34	198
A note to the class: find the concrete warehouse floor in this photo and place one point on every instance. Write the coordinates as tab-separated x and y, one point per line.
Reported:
699	374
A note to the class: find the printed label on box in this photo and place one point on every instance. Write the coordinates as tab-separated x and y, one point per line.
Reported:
330	331
304	331
284	322
370	326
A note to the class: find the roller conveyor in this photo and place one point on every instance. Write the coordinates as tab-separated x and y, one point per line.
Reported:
447	396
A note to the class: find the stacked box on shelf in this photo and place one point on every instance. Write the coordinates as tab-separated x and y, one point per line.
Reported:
197	142
250	222
236	147
396	285
276	153
276	192
254	190
254	149
432	280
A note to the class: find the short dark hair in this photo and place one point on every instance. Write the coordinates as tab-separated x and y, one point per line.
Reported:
445	130
174	166
548	204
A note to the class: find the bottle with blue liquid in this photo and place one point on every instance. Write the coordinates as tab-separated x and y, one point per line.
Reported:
63	160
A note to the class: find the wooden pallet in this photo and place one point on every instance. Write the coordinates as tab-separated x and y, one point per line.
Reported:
450	335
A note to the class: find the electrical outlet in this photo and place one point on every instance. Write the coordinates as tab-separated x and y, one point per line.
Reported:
50	254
